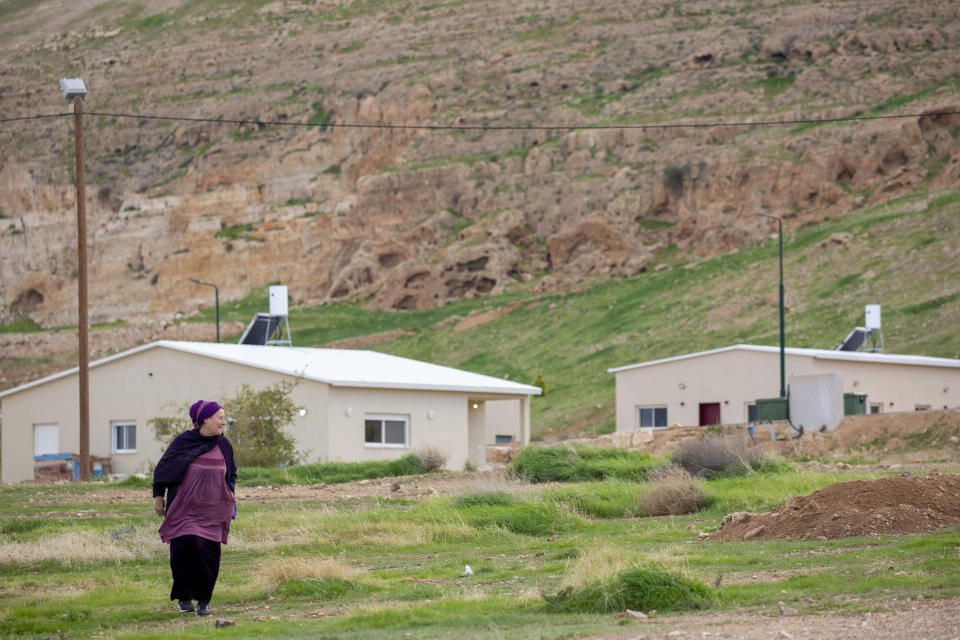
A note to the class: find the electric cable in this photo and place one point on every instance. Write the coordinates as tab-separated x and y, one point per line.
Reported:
493	127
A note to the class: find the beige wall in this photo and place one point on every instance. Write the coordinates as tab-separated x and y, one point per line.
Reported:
446	430
505	418
735	379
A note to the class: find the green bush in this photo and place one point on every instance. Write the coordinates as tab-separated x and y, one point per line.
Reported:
639	589
581	464
329	472
527	518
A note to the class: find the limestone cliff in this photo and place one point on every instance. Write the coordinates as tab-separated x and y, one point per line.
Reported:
413	216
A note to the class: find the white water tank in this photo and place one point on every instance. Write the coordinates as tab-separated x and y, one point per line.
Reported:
872	314
278	300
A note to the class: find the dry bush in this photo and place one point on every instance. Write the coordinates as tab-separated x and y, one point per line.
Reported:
283	570
676	492
431	459
708	457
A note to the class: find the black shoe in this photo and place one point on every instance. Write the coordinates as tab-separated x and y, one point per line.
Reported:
185	606
202	609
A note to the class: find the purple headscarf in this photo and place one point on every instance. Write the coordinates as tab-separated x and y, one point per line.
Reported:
201	410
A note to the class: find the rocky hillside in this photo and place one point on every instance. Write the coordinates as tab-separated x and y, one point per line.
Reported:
414	217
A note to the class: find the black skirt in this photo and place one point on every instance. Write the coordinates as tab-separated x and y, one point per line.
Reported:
195	563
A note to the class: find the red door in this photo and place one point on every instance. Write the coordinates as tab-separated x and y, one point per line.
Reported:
709	413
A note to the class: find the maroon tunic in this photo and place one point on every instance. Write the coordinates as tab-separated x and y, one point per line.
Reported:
203	505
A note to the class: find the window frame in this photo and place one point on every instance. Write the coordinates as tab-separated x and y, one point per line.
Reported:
653	408
503	438
383	418
114	425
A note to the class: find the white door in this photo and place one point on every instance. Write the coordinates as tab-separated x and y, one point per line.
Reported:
46	439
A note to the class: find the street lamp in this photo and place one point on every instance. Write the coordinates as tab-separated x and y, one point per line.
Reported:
74	90
216	294
783	385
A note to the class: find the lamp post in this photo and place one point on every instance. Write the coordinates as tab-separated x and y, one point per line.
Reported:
216	297
74	90
783	385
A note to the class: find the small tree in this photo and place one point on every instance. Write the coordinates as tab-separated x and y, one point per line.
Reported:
257	422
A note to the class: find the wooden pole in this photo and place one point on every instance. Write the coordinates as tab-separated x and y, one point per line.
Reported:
82	325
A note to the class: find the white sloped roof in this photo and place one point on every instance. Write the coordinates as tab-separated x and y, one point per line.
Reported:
822	354
336	367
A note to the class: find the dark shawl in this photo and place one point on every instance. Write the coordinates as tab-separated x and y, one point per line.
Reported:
182	451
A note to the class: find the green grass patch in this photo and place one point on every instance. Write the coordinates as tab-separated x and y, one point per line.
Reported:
330	472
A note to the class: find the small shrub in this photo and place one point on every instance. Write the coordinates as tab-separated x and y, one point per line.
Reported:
580	464
674	493
640	589
720	456
431	459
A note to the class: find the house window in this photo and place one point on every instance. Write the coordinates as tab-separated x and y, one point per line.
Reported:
124	437
503	439
46	439
653	417
921	407
876	407
386	431
751	413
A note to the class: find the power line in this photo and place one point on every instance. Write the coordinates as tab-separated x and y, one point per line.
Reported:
36	117
494	127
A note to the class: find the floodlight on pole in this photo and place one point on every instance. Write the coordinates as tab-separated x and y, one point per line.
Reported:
216	297
74	89
783	375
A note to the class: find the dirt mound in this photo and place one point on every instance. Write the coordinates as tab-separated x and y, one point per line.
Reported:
887	506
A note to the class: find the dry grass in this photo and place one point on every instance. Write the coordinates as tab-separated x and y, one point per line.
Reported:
282	570
675	492
597	563
80	548
493	481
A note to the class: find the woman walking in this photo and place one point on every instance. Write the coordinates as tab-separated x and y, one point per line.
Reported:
198	475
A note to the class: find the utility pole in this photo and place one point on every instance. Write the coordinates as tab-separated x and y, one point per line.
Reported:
75	90
783	373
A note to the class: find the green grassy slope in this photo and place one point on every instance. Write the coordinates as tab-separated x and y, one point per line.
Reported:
902	255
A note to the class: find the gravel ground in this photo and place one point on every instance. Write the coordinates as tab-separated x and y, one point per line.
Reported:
900	620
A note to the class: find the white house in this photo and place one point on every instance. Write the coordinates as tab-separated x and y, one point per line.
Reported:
356	405
721	386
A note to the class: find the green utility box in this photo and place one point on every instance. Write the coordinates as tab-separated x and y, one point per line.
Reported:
772	409
854	404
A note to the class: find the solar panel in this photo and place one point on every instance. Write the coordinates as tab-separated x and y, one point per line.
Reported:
261	329
854	340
